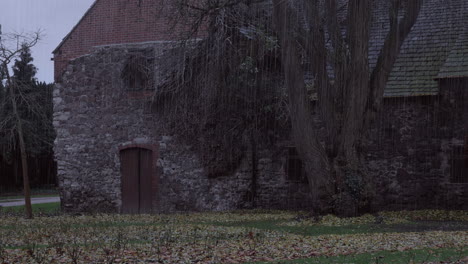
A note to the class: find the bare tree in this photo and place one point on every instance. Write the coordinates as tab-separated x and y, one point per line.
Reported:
314	36
12	125
221	90
345	103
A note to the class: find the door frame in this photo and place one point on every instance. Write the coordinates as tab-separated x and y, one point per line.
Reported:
154	172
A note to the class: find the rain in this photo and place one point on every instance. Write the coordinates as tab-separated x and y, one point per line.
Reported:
234	131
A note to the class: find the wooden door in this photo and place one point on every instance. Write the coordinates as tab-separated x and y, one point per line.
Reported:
145	181
136	167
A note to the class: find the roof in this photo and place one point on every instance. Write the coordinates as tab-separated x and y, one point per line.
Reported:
456	64
430	48
76	26
437	46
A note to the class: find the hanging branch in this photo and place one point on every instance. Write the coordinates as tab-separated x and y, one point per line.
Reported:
222	90
399	30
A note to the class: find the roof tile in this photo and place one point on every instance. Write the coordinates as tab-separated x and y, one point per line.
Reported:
434	48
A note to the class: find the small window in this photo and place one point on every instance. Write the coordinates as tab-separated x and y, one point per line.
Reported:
459	164
137	73
294	166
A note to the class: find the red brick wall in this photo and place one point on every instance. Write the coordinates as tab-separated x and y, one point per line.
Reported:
120	21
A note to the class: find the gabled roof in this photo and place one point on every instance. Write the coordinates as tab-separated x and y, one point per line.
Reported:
76	26
436	47
426	49
456	65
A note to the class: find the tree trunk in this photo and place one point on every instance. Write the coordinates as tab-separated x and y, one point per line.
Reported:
344	103
24	165
24	156
15	171
254	160
304	135
358	87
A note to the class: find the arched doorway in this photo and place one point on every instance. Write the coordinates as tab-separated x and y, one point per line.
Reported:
137	180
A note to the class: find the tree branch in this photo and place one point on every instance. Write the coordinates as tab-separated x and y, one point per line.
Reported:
391	49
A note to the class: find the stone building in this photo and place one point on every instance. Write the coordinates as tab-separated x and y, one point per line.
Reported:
116	22
114	154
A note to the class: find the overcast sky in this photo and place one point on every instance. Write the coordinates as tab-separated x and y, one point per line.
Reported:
54	17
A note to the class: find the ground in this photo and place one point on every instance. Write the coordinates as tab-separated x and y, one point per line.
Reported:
44	199
236	237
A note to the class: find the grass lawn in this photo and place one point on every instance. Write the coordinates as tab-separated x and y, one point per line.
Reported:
237	237
46	208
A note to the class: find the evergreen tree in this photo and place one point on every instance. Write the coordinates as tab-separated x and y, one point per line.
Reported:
1	88
34	104
3	110
23	70
2	84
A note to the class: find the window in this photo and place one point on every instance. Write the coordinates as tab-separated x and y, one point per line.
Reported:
459	164
137	73
294	166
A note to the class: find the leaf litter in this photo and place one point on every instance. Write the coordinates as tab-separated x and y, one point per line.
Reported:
193	238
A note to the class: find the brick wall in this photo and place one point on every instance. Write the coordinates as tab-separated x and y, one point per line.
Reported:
120	21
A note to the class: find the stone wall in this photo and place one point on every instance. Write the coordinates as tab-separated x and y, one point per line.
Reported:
185	186
95	116
410	149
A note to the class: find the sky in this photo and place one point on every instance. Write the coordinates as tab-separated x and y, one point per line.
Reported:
55	18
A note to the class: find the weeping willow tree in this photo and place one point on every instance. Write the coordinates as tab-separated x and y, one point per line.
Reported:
249	43
224	92
347	103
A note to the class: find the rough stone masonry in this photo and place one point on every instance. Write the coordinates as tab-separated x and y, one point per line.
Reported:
410	148
96	116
